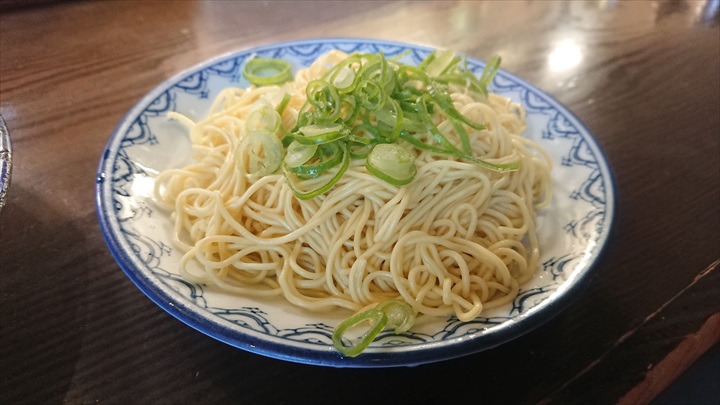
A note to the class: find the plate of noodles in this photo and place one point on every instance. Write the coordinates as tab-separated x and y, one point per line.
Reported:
355	202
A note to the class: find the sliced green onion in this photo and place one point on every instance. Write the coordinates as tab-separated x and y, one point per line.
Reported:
392	163
401	316
359	145
359	140
359	151
319	134
267	72
344	79
376	80
262	118
427	61
297	154
452	66
408	73
304	118
439	63
489	72
370	65
378	318
358	110
366	129
394	314
283	103
388	77
317	130
259	154
393	118
462	134
466	79
306	195
447	146
325	158
370	95
443	100
352	111
342	75
325	98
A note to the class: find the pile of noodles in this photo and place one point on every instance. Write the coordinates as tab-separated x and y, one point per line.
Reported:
460	238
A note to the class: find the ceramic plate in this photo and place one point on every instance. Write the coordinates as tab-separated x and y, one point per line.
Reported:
573	231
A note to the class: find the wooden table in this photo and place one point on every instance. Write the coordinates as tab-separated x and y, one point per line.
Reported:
645	79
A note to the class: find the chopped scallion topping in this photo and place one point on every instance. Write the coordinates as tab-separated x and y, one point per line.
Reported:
390	314
365	107
267	72
259	154
392	163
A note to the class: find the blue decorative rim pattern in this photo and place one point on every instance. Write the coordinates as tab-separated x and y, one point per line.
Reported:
146	259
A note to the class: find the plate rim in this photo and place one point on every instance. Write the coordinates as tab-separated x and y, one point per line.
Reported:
184	311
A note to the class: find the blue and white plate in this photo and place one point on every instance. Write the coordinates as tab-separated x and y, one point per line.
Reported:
573	231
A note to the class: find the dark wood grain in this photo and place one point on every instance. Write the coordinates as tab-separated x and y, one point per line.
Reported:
74	328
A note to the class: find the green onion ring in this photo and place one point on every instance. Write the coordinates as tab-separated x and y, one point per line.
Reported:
332	155
321	138
391	163
325	187
379	320
267	72
393	313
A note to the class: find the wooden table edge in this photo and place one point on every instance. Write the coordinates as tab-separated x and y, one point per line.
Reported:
690	349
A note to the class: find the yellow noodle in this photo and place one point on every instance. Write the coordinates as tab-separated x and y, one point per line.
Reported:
457	240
